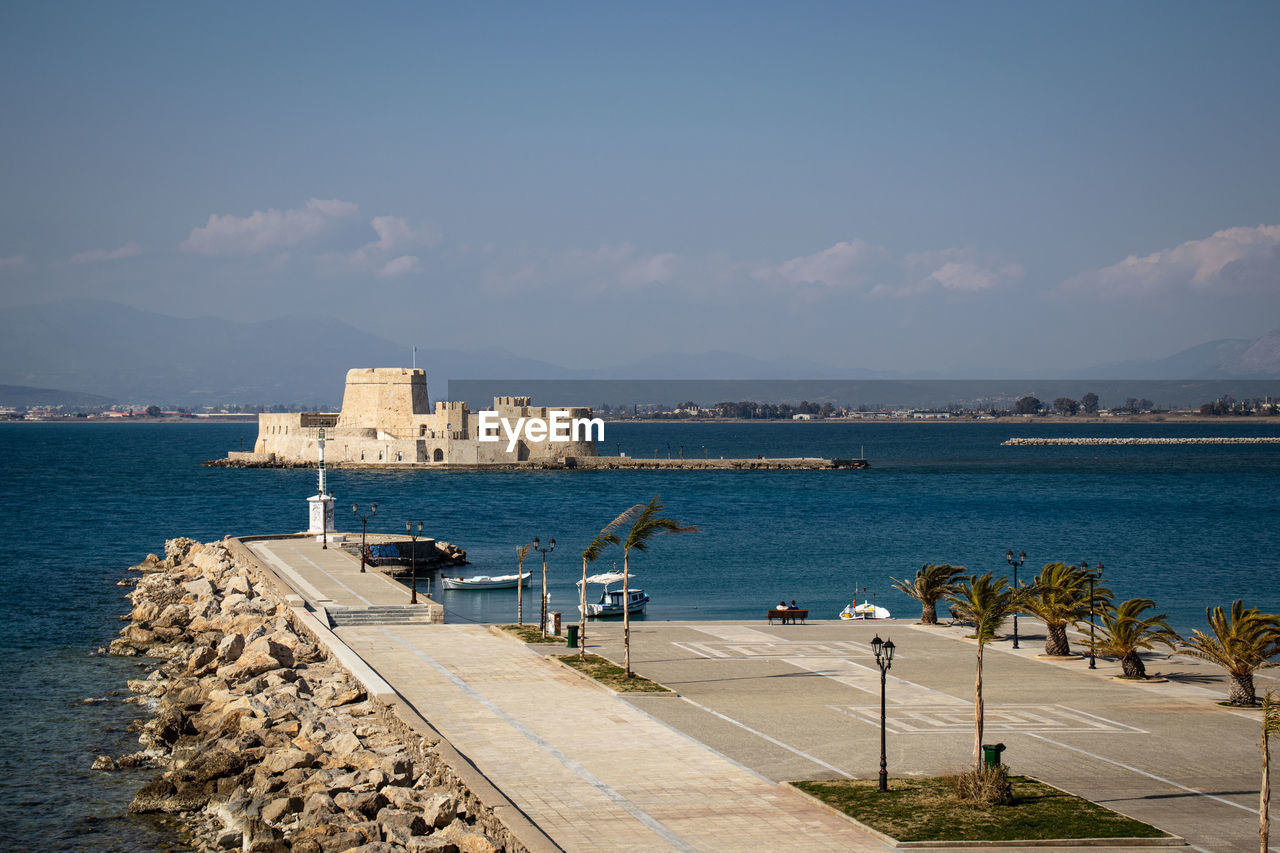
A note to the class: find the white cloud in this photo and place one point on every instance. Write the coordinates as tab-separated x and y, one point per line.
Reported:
1232	260
266	230
859	266
12	261
399	266
128	250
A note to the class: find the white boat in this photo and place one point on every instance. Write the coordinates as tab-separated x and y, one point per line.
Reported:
865	610
610	603
486	581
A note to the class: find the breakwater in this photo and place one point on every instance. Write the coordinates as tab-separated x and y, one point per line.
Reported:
263	739
1140	440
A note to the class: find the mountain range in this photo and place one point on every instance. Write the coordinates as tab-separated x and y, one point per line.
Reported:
114	350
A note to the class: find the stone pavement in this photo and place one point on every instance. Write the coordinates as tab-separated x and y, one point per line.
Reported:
758	705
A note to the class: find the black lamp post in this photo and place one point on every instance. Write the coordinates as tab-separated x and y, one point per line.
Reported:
1093	576
884	660
364	523
537	546
413	560
1022	558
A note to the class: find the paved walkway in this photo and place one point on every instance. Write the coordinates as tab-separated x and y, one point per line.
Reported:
762	704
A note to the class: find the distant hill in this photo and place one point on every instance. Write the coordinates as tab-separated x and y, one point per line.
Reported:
21	396
114	351
1228	358
106	348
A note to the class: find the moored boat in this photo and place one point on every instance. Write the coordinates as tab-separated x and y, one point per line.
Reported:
865	610
610	602
486	581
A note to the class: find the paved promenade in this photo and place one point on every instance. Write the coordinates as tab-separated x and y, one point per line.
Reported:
758	705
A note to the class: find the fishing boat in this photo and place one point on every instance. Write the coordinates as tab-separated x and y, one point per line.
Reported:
865	610
486	581
610	602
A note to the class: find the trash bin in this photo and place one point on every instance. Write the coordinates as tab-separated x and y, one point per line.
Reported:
991	754
572	642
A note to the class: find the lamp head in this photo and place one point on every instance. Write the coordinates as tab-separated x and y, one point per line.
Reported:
374	510
419	526
1008	555
408	527
355	509
1098	569
876	645
888	650
552	544
536	543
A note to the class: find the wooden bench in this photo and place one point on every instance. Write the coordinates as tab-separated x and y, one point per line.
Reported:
788	616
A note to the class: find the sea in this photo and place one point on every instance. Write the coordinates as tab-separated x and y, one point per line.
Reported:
1190	526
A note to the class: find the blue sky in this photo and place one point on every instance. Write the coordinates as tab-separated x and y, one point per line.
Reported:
905	186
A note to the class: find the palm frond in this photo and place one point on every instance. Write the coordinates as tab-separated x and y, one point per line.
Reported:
522	551
986	601
622	520
648	524
1241	643
598	546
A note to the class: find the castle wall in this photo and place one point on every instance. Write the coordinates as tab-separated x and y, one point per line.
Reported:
386	420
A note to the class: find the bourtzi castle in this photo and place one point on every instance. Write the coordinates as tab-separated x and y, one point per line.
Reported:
387	420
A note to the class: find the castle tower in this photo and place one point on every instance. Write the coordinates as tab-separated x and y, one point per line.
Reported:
385	399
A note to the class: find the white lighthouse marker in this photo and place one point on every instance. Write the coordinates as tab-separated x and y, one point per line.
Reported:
321	504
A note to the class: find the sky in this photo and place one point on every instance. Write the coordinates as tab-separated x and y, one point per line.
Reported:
891	186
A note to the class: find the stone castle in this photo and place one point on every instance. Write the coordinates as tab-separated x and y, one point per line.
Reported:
387	420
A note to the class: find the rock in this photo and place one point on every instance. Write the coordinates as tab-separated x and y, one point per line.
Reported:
232	603
471	842
153	797
268	839
430	844
238	584
375	847
393	817
343	745
201	659
316	806
230	648
331	696
439	810
281	807
199	588
249	665
369	804
229	839
398	768
287	759
213	765
343	841
104	762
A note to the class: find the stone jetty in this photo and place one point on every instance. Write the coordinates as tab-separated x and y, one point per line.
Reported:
263	740
1015	442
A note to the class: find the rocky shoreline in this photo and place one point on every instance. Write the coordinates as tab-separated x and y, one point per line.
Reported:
264	741
1017	442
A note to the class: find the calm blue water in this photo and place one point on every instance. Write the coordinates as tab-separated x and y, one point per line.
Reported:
1188	526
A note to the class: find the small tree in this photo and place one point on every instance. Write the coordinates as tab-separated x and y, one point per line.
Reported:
603	540
648	524
986	602
1066	406
1090	403
931	583
1242	644
1124	631
1059	596
1028	405
1270	726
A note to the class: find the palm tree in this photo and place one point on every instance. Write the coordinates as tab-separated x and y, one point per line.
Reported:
932	582
1270	726
522	551
1124	631
1059	596
603	540
648	523
987	602
1241	644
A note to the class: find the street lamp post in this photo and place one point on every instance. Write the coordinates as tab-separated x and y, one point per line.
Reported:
1022	558
413	560
364	522
884	660
537	546
1093	576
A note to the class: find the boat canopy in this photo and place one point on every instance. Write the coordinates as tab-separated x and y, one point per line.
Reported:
607	577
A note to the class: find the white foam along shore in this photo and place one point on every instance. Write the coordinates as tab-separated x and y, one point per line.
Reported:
1143	440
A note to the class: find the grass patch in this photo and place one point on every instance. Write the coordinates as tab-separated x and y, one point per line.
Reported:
530	634
611	675
926	810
